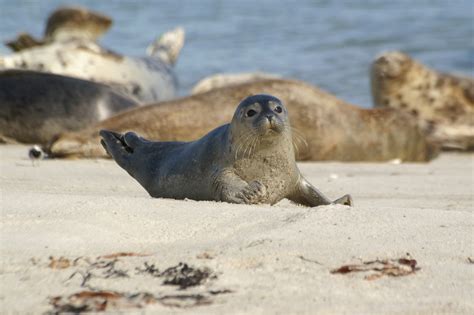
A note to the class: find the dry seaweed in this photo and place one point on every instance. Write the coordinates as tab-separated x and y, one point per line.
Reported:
102	301
185	276
378	268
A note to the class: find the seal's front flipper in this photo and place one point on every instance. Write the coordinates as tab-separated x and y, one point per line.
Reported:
231	188
306	194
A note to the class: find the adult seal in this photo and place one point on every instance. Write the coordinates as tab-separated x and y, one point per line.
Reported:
250	160
36	106
443	104
148	79
324	127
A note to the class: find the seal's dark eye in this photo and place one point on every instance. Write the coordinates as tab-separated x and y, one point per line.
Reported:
250	113
278	109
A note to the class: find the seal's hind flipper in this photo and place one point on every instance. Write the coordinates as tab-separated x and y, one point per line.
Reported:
345	200
308	195
168	46
115	145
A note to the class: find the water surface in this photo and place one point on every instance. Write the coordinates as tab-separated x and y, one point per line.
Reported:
328	43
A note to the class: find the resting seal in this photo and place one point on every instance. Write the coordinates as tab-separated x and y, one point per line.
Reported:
147	79
230	79
327	128
66	23
36	106
250	160
443	104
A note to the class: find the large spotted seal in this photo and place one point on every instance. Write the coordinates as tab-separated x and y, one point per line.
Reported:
250	160
148	79
65	23
443	104
325	127
35	106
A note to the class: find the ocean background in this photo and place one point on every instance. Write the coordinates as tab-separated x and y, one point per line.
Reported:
328	43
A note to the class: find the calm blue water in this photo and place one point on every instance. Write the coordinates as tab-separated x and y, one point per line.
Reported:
328	43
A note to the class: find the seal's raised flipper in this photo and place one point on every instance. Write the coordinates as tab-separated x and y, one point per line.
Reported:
168	46
308	195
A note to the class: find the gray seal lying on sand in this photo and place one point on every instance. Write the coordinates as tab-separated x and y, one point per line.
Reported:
324	127
442	103
149	79
250	160
66	23
36	106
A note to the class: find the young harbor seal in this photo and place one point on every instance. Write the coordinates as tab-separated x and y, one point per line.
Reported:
35	106
325	127
250	160
148	79
442	103
63	24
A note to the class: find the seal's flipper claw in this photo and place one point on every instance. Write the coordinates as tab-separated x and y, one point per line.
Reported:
102	142
345	200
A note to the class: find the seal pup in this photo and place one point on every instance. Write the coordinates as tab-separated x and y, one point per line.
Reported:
229	79
442	103
149	79
36	106
66	23
324	127
250	160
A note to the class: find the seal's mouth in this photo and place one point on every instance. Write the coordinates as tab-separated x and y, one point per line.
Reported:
272	128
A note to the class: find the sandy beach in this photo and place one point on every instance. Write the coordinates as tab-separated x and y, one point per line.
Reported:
83	235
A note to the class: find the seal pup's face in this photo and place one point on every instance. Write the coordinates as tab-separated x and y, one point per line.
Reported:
262	115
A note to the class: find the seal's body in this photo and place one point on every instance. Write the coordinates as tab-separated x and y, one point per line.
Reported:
36	106
443	104
147	79
324	127
250	160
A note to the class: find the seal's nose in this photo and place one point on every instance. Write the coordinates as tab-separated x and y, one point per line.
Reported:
270	118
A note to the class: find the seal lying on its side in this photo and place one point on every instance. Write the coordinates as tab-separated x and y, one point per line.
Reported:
250	160
148	79
327	128
36	106
66	23
442	103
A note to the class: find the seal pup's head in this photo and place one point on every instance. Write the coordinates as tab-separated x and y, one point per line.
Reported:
262	115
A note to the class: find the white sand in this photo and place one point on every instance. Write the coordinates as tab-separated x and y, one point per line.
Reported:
91	208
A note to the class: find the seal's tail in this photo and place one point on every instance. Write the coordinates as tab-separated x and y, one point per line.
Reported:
168	46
